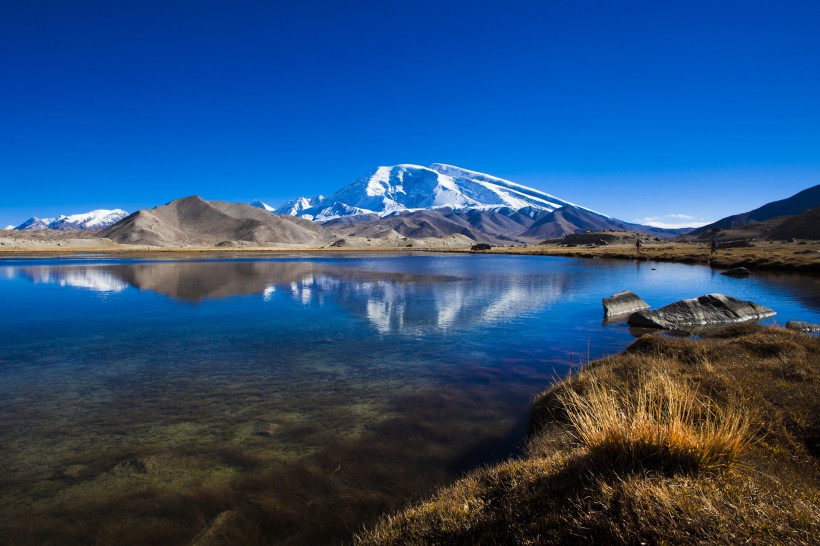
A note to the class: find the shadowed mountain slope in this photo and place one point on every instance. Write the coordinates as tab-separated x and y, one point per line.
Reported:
796	204
192	220
569	219
500	226
800	226
416	224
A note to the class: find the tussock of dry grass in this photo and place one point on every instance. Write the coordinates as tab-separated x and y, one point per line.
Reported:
626	452
659	423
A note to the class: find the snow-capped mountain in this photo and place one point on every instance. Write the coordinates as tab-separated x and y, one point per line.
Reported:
94	220
8	228
262	205
387	190
38	223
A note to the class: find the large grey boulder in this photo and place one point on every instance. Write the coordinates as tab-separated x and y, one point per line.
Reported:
705	310
802	326
622	303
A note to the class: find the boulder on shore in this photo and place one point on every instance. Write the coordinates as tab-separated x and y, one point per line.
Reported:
737	272
705	310
802	326
622	303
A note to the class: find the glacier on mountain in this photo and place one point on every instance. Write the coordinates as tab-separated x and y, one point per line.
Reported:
93	220
387	190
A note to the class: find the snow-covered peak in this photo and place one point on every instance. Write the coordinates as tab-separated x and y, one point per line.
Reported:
94	220
37	223
8	228
262	205
296	207
387	189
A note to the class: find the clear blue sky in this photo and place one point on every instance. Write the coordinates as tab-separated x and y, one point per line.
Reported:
636	109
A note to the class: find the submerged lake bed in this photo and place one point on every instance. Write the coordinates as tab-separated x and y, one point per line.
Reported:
291	399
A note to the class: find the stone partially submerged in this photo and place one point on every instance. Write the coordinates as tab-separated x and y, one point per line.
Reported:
803	326
737	272
711	309
622	303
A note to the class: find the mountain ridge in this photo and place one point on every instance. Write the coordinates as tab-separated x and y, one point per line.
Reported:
798	203
408	187
85	221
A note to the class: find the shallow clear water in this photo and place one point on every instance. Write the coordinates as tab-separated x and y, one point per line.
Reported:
308	394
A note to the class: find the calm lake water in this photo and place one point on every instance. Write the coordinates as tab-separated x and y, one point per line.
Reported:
299	397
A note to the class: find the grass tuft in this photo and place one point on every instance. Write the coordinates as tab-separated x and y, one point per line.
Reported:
660	423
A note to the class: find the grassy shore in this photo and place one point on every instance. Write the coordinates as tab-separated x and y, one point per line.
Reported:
773	256
675	441
770	256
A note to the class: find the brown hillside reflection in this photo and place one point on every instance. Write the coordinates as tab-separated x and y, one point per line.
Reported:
196	281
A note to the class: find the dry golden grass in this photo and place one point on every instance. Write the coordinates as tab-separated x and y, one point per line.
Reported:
652	447
774	256
661	422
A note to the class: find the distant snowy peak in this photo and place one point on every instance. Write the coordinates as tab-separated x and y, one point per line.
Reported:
8	228
262	205
94	220
295	207
387	190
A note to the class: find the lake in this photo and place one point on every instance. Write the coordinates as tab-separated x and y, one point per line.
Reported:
291	399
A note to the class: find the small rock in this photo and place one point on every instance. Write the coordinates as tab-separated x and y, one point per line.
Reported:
218	531
265	429
737	272
130	466
736	244
622	303
802	326
481	246
73	472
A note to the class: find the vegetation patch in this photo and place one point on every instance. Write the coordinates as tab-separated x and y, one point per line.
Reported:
661	422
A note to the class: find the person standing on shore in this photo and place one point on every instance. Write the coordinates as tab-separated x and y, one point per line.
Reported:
638	245
713	246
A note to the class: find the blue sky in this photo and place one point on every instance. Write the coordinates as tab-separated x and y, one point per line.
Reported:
677	111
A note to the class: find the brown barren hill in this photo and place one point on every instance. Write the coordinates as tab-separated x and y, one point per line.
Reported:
194	221
801	226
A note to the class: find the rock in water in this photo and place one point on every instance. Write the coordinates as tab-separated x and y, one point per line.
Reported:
737	272
705	310
622	303
802	326
219	530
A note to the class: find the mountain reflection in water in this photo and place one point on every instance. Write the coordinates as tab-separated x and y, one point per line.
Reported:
391	302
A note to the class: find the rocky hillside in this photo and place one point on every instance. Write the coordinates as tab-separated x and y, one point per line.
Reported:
194	221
